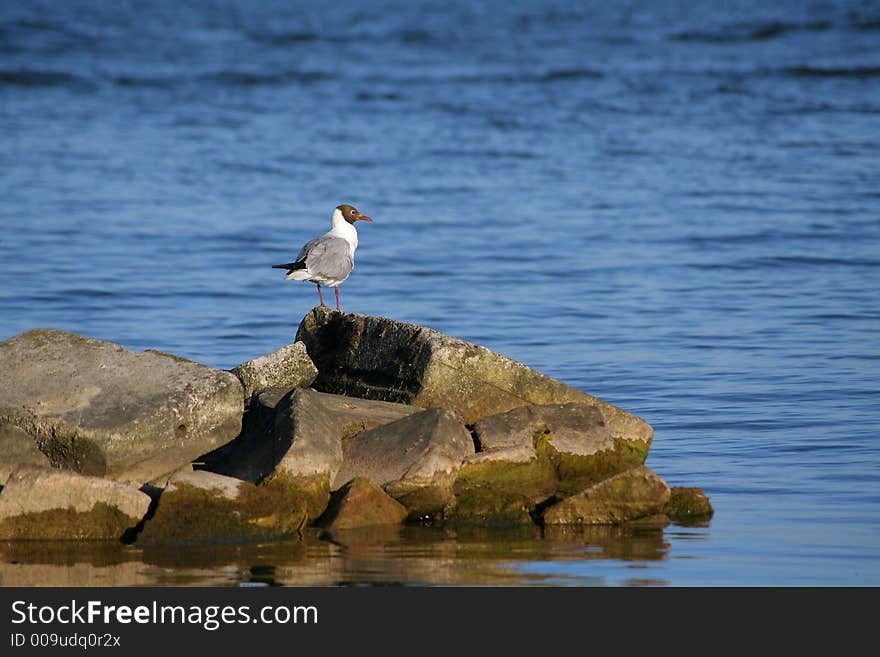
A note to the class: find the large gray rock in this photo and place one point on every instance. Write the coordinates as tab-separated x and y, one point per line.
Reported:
415	459
636	493
17	448
380	358
277	416
287	367
47	503
101	409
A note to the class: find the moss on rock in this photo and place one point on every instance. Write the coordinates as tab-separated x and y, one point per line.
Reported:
189	515
575	472
103	522
313	490
688	505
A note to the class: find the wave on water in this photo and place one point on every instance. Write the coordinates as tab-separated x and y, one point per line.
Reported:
833	72
749	32
283	38
36	78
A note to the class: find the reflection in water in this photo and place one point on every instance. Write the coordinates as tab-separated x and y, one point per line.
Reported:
394	555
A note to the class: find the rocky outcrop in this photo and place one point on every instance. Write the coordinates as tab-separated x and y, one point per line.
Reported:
406	422
100	409
415	459
287	367
200	507
51	504
17	448
380	358
361	503
630	495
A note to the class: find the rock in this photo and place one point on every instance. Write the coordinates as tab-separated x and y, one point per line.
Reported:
688	505
627	496
17	448
293	438
573	436
532	453
501	487
200	507
415	459
50	504
361	503
100	409
287	367
314	448
355	415
380	358
257	450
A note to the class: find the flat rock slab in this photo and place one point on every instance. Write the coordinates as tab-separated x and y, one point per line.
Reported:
380	358
287	367
630	495
361	503
53	504
101	409
415	459
200	507
18	448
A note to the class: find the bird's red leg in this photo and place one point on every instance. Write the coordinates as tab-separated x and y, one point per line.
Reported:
337	298
320	296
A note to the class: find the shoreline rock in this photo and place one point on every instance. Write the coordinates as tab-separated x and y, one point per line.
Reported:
381	358
100	409
439	430
52	504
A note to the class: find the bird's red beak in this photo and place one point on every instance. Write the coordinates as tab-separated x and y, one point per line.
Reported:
364	217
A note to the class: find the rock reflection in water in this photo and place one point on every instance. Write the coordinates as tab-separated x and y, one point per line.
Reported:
394	555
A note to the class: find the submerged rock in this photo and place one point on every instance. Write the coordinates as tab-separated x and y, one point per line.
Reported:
688	505
380	358
18	448
630	495
415	459
200	507
101	409
361	503
287	367
52	504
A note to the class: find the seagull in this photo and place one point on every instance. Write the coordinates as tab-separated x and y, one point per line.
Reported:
329	259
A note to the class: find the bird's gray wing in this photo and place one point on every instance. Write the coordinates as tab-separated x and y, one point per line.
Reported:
328	256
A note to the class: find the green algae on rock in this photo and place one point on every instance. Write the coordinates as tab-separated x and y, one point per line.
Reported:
51	504
202	507
633	494
688	505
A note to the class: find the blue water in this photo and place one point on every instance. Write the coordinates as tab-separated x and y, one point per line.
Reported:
674	206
